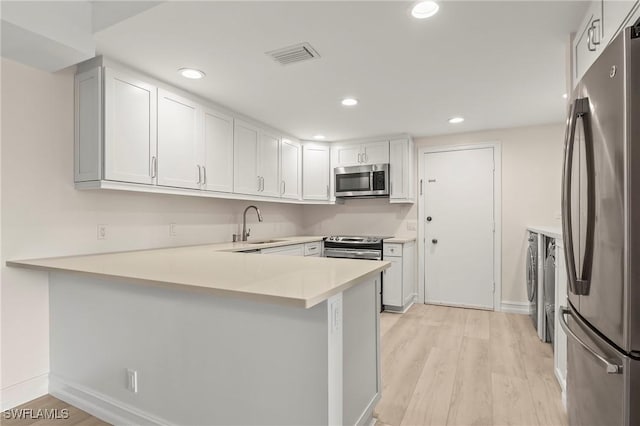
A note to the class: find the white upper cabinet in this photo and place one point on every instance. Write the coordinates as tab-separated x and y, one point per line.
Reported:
291	169
268	164
375	153
602	22
245	158
129	130
217	151
357	154
178	156
401	179
316	172
348	155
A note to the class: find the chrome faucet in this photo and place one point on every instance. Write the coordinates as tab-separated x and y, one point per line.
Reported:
245	232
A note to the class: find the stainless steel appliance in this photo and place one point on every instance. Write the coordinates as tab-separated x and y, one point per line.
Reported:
349	247
532	277
362	181
353	247
601	232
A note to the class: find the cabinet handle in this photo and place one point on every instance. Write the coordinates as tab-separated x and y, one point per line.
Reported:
366	157
284	186
420	186
359	157
199	173
327	191
204	175
154	166
259	183
593	25
590	39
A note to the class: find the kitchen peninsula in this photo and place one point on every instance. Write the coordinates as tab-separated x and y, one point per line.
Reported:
203	335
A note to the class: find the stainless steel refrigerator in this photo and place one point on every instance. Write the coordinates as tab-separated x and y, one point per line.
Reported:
601	232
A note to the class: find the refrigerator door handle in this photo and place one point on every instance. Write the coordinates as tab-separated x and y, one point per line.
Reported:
578	284
611	367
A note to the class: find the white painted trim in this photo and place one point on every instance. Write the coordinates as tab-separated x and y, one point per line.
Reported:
99	405
515	307
497	209
460	305
28	390
335	360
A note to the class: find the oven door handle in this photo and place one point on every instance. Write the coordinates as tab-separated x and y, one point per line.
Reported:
353	254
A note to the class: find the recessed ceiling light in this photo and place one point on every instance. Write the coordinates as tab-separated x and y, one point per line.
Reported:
191	73
319	137
425	9
456	120
349	102
565	96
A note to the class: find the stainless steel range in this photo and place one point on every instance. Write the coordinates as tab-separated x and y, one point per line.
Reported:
350	247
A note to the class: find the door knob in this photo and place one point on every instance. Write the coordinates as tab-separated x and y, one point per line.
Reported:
429	218
434	241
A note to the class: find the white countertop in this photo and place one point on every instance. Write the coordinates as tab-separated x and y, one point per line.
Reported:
550	231
287	280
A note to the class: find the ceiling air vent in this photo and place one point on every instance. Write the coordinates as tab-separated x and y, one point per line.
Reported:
297	53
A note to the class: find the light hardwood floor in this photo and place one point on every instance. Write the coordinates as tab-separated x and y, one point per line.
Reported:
452	366
441	366
76	417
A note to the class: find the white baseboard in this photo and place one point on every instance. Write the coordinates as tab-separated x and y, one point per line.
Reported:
514	307
18	394
101	406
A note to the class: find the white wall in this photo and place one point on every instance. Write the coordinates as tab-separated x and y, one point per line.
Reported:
531	178
43	215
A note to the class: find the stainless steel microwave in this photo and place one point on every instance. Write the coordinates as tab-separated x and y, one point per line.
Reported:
362	181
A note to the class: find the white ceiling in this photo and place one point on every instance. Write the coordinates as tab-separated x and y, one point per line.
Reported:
498	64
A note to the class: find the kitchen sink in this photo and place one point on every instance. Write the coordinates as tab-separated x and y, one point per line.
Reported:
265	241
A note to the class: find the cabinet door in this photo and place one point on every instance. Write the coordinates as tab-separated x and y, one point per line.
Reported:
614	16
268	162
348	155
375	153
290	169
178	159
130	128
399	169
245	158
315	167
392	283
218	151
409	285
588	42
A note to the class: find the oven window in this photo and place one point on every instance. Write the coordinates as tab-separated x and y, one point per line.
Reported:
353	182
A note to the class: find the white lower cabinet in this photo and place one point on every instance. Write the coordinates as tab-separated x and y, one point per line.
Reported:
399	288
560	338
313	249
292	250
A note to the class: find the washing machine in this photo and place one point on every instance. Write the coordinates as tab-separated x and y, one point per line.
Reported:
549	290
532	279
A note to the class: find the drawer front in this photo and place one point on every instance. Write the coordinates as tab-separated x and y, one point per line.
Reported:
393	250
312	249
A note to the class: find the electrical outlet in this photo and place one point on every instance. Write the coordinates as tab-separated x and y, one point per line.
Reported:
172	230
132	380
102	232
412	225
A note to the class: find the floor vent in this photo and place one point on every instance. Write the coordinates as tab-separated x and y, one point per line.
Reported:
292	54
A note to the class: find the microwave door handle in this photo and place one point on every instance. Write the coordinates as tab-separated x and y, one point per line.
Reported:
371	181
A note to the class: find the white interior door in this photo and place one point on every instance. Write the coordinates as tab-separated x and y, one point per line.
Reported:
459	227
